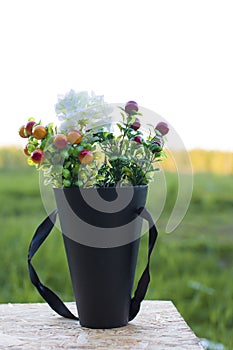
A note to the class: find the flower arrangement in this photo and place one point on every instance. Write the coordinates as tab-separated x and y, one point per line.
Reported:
88	150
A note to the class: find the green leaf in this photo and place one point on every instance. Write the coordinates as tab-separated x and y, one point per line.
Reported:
31	148
119	126
110	136
78	183
88	146
77	150
66	183
67	164
66	173
75	170
122	109
100	177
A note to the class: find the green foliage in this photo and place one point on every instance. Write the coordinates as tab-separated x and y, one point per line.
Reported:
193	266
62	167
128	156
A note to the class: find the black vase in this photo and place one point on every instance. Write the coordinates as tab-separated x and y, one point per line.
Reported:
101	231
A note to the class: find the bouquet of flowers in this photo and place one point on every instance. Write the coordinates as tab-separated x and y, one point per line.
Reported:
88	150
85	154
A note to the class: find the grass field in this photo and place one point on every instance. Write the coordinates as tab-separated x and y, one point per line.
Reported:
192	266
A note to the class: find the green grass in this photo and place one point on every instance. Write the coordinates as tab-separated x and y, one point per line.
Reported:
192	266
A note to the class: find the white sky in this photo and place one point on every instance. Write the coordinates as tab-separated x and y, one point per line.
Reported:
173	57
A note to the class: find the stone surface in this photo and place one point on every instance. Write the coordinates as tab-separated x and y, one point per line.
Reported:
158	326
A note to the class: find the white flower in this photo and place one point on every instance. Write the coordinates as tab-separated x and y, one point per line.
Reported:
79	109
97	124
68	125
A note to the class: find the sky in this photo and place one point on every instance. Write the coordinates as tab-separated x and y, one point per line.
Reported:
172	57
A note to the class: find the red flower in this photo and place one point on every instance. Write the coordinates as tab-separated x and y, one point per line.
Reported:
38	156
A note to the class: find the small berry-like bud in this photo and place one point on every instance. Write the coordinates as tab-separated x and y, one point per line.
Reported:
85	156
162	127
131	106
39	132
137	139
136	124
38	156
22	132
29	127
60	141
74	137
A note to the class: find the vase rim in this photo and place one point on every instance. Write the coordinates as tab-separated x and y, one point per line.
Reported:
100	188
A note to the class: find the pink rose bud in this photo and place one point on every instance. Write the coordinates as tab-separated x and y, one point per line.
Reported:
162	127
131	106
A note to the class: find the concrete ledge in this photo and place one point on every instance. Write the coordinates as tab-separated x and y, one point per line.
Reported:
158	326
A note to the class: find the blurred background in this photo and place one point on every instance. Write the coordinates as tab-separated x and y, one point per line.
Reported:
172	57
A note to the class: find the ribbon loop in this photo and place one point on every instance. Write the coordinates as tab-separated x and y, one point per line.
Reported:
53	300
47	294
143	283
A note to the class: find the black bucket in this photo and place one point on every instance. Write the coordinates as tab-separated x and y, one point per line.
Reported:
101	249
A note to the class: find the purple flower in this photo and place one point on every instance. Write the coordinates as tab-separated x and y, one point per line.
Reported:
162	127
131	106
136	124
137	139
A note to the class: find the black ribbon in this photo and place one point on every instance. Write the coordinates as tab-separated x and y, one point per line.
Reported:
53	300
47	294
143	283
